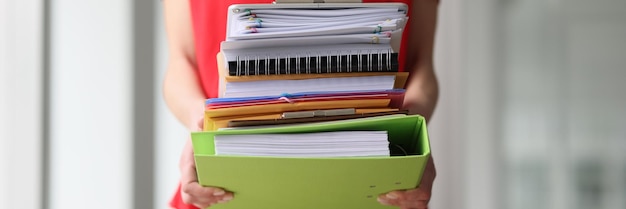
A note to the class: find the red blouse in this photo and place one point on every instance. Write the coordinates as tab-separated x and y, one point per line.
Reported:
209	25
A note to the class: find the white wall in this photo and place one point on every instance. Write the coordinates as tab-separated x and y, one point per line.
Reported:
562	85
90	136
21	26
480	129
446	127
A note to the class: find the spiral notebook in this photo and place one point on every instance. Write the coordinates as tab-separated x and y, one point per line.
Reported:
272	39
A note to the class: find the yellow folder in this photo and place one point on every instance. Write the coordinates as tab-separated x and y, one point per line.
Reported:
289	107
213	124
312	183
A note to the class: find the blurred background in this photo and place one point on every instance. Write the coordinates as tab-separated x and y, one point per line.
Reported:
531	112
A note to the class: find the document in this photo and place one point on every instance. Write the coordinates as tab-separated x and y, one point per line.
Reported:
281	87
322	144
306	39
268	23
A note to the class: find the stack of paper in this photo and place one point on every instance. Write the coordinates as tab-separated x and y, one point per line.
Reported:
310	108
324	144
296	39
294	64
278	87
265	23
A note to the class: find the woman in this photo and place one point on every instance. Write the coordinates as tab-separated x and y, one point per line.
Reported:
195	29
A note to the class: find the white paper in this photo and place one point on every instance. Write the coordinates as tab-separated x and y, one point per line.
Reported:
275	23
323	144
323	12
279	87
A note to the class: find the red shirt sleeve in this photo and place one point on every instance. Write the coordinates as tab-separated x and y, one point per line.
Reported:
177	201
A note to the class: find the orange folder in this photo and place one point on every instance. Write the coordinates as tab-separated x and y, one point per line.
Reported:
212	124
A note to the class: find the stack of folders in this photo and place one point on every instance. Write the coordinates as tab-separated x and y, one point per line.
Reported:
309	113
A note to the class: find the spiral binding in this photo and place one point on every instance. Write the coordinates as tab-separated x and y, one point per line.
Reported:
348	62
388	59
380	61
339	56
369	64
238	71
307	64
318	64
277	66
297	64
267	65
247	65
345	61
328	58
256	63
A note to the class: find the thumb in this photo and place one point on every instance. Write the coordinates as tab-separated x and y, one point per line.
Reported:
200	124
197	117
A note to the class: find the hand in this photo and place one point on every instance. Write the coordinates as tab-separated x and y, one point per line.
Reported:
191	191
417	198
194	193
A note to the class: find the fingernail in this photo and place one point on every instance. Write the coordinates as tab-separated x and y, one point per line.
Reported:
227	198
382	201
218	192
391	196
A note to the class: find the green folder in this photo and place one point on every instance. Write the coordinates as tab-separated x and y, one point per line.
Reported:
289	183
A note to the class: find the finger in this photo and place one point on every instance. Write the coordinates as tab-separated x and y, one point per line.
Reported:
418	194
208	202
194	189
207	195
396	195
415	198
211	194
414	204
201	205
192	198
200	124
384	201
200	202
225	198
392	198
215	191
